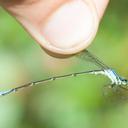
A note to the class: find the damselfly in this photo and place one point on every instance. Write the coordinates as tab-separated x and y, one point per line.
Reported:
116	80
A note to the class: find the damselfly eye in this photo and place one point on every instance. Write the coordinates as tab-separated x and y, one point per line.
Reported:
125	80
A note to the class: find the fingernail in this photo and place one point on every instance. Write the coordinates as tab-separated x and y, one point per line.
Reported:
69	25
101	6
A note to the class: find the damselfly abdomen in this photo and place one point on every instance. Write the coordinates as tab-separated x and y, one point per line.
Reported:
116	80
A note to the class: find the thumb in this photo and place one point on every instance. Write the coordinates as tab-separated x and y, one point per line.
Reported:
61	27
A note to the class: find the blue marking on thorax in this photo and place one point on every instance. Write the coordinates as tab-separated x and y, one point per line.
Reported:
116	74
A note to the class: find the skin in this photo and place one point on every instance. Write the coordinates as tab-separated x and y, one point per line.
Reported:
60	27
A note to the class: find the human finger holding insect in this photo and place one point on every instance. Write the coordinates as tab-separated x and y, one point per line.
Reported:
61	27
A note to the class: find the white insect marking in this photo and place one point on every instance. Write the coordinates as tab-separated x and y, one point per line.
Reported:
111	75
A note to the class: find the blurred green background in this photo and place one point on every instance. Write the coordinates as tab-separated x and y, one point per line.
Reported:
81	102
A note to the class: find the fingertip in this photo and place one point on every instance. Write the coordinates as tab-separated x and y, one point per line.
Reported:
71	28
67	30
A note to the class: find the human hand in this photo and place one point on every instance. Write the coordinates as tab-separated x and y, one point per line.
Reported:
61	27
